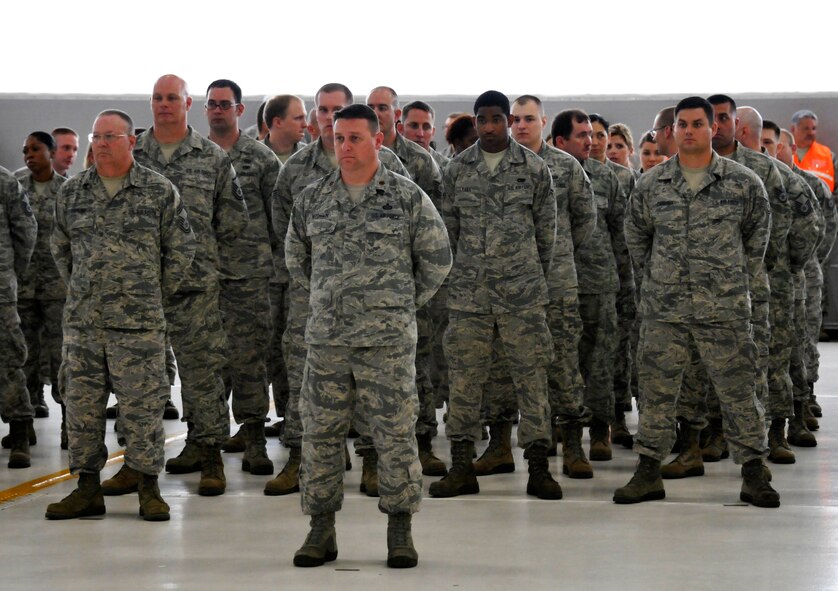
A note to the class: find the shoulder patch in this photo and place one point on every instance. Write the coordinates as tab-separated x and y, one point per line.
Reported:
237	190
803	207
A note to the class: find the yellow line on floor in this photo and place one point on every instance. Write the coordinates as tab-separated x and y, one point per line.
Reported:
42	482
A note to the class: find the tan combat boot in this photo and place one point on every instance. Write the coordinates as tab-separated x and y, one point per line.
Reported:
541	483
461	479
574	462
645	485
85	501
689	462
126	481
799	434
152	505
369	473
288	480
213	482
755	487
431	465
779	450
600	441
320	545
19	457
400	550
256	460
497	459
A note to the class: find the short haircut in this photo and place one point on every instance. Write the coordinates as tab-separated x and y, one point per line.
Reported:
492	98
64	131
122	115
421	106
666	117
766	124
597	118
224	83
722	99
803	114
359	111
277	106
458	128
44	138
334	87
530	98
788	135
393	93
312	116
563	122
622	130
696	102
649	137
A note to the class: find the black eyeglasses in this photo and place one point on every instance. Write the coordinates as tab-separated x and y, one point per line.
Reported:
224	105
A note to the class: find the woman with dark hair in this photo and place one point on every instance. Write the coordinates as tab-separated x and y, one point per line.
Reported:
461	134
650	156
41	292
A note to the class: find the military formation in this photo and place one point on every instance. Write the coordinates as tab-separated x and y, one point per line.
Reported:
367	279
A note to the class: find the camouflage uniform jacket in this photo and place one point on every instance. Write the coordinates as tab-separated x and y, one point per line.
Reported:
302	169
41	280
441	159
602	262
120	256
297	147
367	266
699	252
18	234
250	255
575	216
807	221
421	166
207	184
814	266
502	226
625	175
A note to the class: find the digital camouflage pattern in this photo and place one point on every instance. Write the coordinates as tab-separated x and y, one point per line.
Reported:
699	252
18	236
122	258
367	268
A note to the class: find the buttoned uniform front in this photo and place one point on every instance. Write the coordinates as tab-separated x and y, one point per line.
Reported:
366	268
303	168
18	236
122	258
575	222
41	293
207	184
502	226
605	273
700	252
246	266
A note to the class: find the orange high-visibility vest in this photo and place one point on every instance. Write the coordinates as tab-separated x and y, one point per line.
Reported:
818	160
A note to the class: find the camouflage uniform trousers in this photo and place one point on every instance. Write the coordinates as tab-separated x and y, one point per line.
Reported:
698	401
379	383
277	372
814	322
133	363
797	370
623	360
246	317
597	352
294	350
14	397
783	338
199	343
565	384
438	307
426	424
528	346
729	355
40	321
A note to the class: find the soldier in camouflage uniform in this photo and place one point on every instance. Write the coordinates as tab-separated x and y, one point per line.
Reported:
793	236
369	248
604	273
207	183
697	227
41	290
18	236
814	268
500	210
246	267
285	118
425	173
314	161
576	221
122	242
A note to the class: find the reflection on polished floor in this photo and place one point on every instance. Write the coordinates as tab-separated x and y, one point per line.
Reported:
699	537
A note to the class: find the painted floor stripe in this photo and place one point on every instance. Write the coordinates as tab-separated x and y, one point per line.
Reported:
33	486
